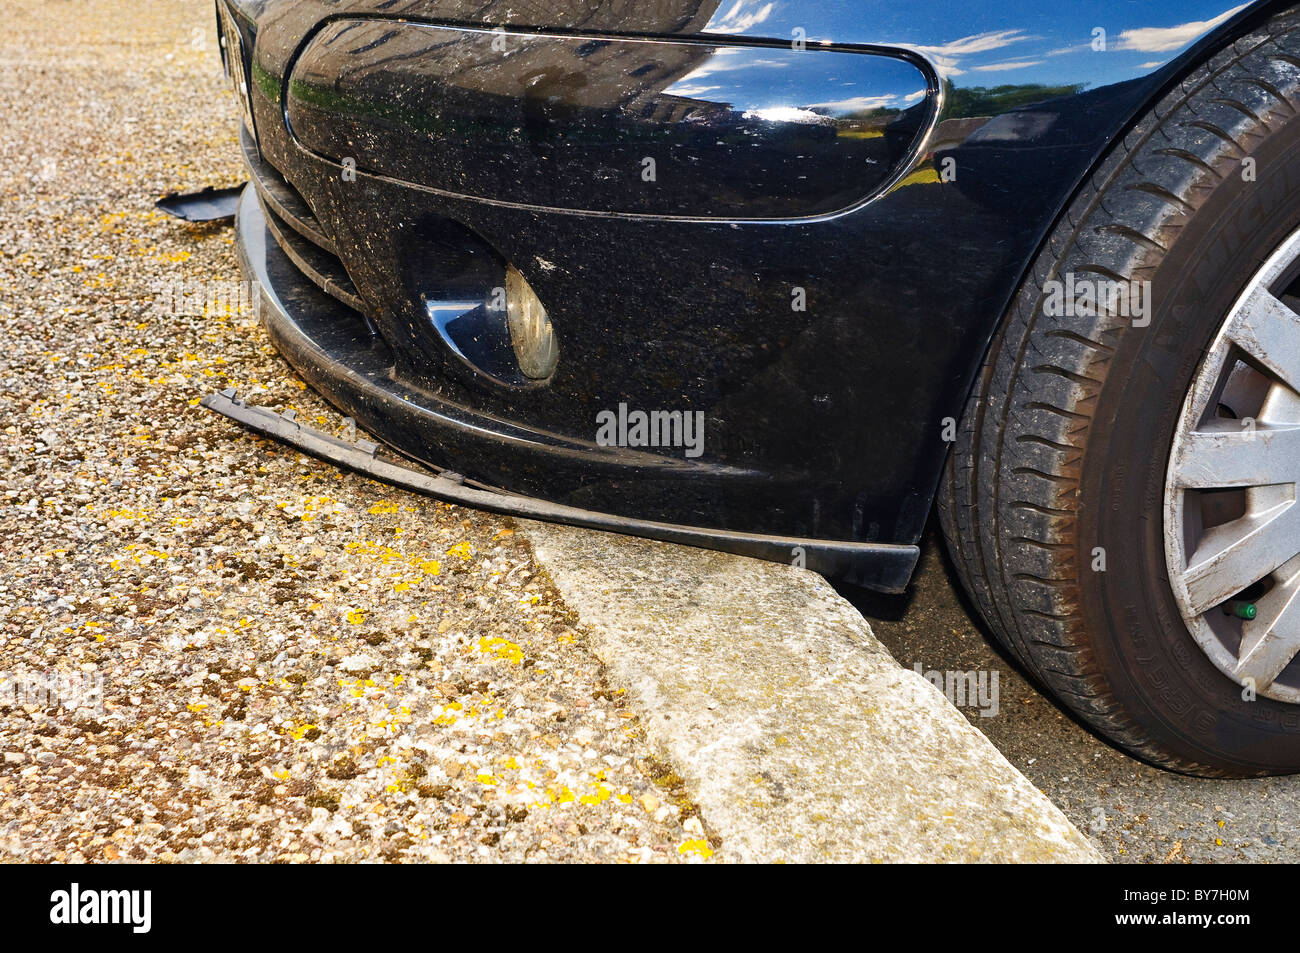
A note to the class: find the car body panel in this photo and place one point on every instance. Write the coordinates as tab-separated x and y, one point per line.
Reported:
546	121
312	331
823	422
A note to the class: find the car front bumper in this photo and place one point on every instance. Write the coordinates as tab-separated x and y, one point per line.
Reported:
389	153
322	338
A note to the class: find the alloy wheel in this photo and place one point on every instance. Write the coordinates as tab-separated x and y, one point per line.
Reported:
1232	518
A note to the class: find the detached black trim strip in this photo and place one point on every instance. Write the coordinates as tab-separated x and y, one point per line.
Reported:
889	566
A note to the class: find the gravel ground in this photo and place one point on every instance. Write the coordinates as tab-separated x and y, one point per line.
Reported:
1131	811
295	664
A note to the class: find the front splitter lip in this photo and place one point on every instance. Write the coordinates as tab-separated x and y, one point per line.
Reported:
285	300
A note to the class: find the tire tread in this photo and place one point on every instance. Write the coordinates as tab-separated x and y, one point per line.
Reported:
1007	501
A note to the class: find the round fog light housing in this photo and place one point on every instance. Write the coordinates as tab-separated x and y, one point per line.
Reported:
531	334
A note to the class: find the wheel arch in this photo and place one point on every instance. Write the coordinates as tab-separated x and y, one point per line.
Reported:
1174	73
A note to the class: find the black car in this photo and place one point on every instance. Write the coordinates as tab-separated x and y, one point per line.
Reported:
780	276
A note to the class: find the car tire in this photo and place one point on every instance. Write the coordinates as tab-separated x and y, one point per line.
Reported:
1055	500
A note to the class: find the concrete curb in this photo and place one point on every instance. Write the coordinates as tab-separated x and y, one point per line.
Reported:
797	734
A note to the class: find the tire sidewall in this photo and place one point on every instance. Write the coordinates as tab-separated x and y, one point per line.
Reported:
1146	652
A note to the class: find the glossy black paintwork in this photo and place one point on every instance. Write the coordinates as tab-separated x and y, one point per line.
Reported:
571	121
318	336
827	422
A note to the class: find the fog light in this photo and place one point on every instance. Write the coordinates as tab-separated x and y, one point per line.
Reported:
531	333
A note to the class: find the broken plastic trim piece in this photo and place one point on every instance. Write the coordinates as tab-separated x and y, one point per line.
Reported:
880	565
206	205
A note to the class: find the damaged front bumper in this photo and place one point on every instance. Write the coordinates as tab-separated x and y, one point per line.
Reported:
335	351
